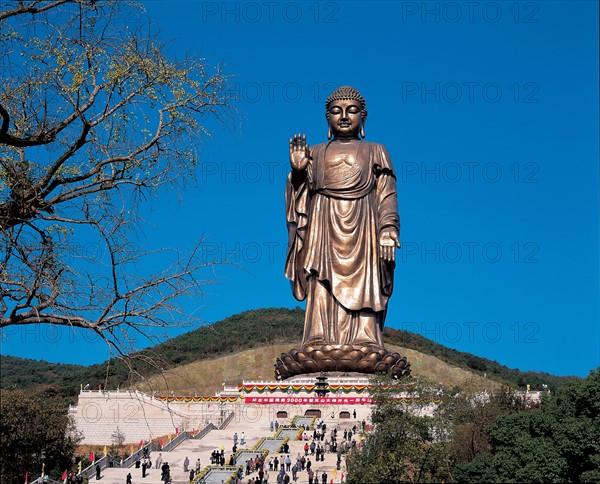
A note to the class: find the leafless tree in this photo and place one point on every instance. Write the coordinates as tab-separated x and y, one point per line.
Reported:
96	118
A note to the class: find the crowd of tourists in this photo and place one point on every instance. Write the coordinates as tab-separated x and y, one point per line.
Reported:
280	468
286	469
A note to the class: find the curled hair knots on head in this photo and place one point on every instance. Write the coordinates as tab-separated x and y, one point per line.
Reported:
346	93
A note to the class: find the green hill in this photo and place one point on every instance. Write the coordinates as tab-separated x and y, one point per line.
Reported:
237	333
37	375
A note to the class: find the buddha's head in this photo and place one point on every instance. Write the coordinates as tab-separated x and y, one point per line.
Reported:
346	113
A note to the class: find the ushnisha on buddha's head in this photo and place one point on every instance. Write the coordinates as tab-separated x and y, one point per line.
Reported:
346	113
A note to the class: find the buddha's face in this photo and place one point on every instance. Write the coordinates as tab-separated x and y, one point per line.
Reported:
345	118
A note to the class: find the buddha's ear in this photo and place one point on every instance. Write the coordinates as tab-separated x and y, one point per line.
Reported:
362	127
329	134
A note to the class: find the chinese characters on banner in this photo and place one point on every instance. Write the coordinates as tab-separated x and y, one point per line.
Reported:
310	400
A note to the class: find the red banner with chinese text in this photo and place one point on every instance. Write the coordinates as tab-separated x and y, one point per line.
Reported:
309	400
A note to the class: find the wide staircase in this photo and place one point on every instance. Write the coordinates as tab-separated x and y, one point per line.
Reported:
259	440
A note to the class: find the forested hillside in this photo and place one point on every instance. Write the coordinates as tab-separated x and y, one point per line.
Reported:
247	330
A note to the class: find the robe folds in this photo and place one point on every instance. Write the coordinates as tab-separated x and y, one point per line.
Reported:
335	215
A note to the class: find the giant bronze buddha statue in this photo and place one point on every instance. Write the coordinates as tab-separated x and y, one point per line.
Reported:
343	225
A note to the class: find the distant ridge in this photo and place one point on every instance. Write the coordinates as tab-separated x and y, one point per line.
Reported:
248	330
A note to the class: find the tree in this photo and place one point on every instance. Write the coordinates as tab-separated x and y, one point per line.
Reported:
406	446
558	442
96	117
117	438
469	410
34	431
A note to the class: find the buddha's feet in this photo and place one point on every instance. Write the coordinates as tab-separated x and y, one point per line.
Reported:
344	359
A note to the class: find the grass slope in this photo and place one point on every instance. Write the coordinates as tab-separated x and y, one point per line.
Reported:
205	377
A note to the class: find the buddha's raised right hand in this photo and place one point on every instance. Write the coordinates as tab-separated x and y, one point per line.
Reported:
299	152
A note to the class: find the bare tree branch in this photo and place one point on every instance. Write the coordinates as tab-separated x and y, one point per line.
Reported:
95	119
33	8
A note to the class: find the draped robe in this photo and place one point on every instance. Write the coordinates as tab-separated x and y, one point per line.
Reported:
334	217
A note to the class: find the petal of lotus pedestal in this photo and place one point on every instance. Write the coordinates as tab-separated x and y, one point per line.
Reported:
311	366
327	364
364	366
317	355
382	367
373	358
345	364
336	354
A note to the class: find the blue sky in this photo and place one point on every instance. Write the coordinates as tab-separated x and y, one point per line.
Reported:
490	115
